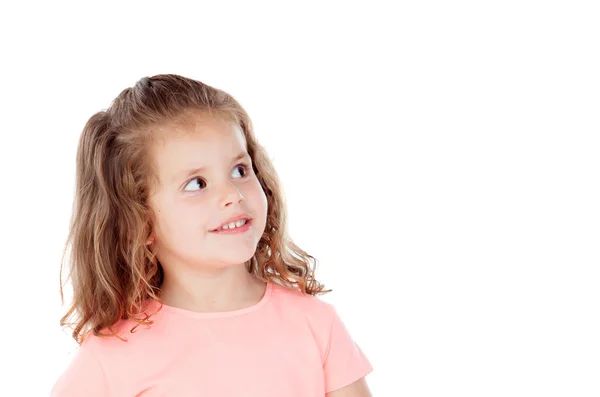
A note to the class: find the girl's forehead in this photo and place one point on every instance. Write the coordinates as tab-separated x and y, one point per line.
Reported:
198	145
195	125
202	138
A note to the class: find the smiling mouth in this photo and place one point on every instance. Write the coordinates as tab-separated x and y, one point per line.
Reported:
233	225
244	226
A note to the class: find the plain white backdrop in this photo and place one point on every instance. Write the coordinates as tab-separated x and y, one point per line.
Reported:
440	160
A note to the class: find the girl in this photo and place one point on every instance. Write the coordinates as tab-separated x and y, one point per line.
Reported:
185	280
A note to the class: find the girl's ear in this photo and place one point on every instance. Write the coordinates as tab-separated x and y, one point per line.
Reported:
150	227
151	235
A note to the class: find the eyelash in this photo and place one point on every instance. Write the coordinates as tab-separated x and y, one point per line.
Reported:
246	167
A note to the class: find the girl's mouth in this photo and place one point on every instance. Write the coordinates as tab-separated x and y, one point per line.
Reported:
240	226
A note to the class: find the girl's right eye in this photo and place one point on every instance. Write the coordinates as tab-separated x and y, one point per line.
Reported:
195	181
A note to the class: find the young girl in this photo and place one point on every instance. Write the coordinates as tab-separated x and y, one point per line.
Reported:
185	280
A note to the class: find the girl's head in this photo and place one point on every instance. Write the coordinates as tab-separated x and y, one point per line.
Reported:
204	177
157	172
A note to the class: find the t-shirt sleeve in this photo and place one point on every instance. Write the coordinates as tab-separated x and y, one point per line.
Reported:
344	361
84	376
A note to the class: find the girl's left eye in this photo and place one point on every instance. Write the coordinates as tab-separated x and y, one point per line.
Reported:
243	166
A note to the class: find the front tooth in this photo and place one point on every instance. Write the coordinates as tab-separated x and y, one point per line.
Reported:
233	225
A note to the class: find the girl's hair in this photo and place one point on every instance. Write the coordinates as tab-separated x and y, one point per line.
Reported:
113	271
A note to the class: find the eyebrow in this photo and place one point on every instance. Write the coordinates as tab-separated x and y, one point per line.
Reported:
193	171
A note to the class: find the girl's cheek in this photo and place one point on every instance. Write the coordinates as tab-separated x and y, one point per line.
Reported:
258	192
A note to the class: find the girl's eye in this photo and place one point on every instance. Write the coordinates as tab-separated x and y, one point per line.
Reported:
243	166
202	183
195	181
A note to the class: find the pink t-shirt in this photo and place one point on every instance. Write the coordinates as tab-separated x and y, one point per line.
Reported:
288	344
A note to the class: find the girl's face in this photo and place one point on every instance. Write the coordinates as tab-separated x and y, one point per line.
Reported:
206	178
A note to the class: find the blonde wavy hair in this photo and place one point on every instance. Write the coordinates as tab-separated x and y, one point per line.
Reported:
112	269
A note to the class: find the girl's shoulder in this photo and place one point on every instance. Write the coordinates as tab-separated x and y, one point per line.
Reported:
127	334
305	304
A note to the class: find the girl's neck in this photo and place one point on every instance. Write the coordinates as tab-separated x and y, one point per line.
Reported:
227	290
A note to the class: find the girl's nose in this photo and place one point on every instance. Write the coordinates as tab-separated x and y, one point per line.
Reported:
231	194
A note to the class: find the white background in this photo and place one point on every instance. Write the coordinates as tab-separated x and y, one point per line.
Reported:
440	159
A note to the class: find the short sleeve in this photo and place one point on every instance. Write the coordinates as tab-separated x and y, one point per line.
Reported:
83	377
344	362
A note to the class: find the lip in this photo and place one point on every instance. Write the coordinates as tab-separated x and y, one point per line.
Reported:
233	219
